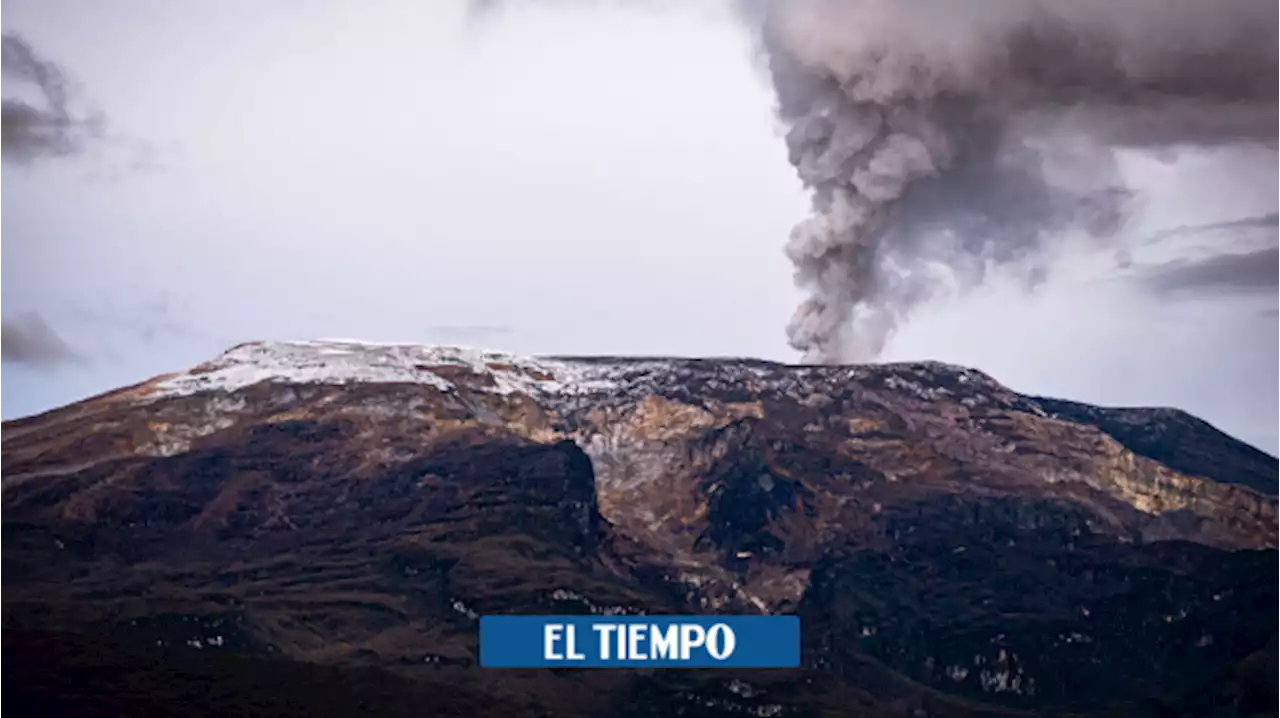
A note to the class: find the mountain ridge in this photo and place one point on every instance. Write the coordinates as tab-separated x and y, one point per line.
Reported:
360	505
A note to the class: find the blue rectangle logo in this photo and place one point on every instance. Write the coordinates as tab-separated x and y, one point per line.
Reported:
640	641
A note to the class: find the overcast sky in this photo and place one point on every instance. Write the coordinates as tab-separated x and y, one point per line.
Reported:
549	180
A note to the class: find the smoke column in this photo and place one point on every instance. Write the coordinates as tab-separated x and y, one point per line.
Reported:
941	138
935	133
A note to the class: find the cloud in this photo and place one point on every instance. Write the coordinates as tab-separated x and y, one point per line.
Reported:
1234	273
1239	256
1270	220
44	124
29	340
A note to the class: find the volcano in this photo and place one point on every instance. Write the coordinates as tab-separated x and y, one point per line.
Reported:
314	528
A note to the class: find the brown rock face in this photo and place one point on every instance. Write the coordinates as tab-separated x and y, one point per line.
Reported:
352	504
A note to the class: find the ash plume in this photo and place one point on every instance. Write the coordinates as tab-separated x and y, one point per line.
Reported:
936	134
29	340
940	139
44	123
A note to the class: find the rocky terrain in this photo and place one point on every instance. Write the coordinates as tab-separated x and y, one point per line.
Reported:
313	528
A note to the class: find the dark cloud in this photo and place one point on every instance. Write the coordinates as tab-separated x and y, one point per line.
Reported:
1239	256
1247	272
46	124
29	340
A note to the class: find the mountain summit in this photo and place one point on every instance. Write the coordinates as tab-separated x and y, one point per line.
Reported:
348	510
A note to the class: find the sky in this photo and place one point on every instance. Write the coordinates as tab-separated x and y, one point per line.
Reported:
551	179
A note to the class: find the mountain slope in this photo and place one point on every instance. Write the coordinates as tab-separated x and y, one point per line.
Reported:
950	545
1177	440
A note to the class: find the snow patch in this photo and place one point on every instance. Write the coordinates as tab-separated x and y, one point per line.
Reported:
564	594
343	362
568	384
464	609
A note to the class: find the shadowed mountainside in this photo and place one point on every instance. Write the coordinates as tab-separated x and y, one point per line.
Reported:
339	513
1177	440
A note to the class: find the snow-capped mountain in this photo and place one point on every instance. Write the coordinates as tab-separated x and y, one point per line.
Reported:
946	541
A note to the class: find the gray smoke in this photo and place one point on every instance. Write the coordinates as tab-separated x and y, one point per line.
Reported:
33	127
28	339
44	123
940	138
